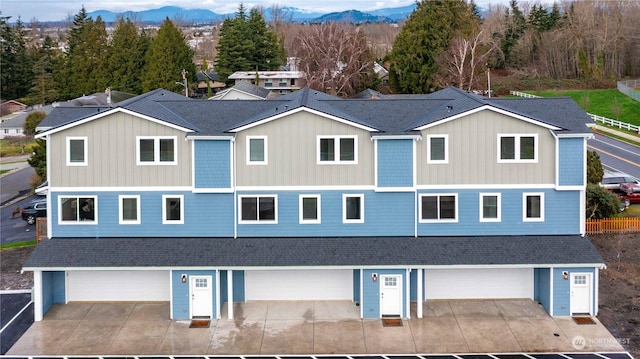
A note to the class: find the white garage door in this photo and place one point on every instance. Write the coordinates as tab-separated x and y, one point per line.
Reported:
299	285
478	283
116	286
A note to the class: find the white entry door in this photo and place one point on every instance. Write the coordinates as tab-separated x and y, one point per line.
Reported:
201	296
391	295
581	284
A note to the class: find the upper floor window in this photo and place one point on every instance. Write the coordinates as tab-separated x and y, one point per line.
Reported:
490	207
439	207
172	209
76	151
533	207
353	208
282	84
129	209
437	149
158	150
309	208
337	149
517	148
78	209
257	150
268	84
258	209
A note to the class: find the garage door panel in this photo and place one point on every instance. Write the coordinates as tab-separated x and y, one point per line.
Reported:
114	286
478	283
299	285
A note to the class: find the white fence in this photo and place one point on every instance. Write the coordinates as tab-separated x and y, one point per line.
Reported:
629	88
604	120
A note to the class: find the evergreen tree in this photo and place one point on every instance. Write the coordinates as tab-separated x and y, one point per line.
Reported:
168	55
127	58
515	27
426	34
247	44
43	89
16	71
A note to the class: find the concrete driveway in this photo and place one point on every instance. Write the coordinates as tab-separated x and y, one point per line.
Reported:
500	326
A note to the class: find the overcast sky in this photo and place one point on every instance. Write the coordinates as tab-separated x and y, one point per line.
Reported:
52	10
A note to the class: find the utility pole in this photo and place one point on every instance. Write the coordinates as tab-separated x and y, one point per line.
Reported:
489	81
184	82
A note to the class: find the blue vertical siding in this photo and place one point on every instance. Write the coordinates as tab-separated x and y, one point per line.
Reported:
237	287
561	215
542	287
206	215
371	292
59	293
562	290
356	285
571	161
53	289
180	300
385	214
212	163
395	162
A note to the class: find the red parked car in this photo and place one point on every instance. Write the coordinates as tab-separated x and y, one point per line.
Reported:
630	193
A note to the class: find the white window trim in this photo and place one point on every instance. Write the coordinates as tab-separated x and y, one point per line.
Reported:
164	209
499	209
344	208
300	209
336	150
121	209
265	149
517	137
258	221
156	151
86	147
524	207
446	149
78	222
420	220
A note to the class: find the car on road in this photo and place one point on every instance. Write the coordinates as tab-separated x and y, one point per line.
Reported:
34	210
613	180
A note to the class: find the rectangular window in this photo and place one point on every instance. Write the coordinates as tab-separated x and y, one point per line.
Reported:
353	208
282	84
439	208
129	209
490	207
337	149
172	209
268	84
437	151
156	150
76	151
533	207
258	209
257	150
517	148
78	210
309	208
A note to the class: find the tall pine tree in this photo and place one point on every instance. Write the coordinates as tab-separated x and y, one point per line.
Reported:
16	66
127	57
168	55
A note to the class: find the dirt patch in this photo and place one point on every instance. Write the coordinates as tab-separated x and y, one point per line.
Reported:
11	261
619	294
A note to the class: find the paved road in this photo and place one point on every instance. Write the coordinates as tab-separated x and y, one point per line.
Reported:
14	191
616	155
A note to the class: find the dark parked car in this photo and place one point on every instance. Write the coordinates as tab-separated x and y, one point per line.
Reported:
33	210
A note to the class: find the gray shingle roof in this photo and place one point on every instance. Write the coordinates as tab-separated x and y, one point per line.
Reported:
388	114
307	252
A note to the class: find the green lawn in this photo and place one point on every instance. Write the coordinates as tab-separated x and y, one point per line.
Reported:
609	103
14	147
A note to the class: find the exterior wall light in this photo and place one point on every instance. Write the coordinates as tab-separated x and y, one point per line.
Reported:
184	278
565	275
374	277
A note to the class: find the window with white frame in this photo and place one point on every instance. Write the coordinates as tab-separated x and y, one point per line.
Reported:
533	207
517	148
156	150
76	151
490	210
353	208
129	209
257	150
437	149
258	209
337	149
441	207
309	208
172	209
78	210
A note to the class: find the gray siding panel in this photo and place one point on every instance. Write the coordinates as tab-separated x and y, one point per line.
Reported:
112	155
473	153
291	147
